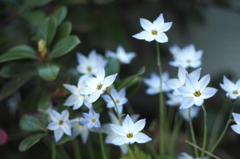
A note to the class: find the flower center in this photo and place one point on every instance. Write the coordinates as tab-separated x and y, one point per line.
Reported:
188	61
99	86
94	120
129	135
117	101
154	32
89	69
197	94
235	92
60	122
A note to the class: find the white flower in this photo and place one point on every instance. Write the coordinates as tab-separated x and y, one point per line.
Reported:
187	57
154	31
60	125
90	65
91	119
97	85
174	100
236	127
111	134
121	55
79	129
119	98
184	155
76	99
175	83
195	91
129	133
154	83
193	112
233	90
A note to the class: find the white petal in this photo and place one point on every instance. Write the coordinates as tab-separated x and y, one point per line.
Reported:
65	115
92	81
173	83
71	88
118	129
106	98
122	93
78	103
58	134
150	37
94	96
236	118
203	82
236	128
186	91
53	126
228	83
159	21
128	124
146	24
71	100
208	92
109	80
84	135
141	138
114	93
191	82
54	115
142	35
187	103
123	148
66	129
196	73
101	74
198	101
152	91
165	27
87	90
82	60
139	125
182	74
119	140
162	38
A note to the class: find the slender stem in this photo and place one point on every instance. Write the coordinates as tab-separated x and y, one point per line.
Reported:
161	103
53	151
90	149
192	133
63	152
225	129
76	149
102	145
205	133
132	156
116	107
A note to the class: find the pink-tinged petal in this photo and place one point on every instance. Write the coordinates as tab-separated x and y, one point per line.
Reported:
196	73
173	83
187	103
203	82
138	126
198	101
101	74
162	38
146	24
236	118
208	92
66	129
71	100
181	74
65	115
92	81
118	129
228	83
71	88
142	35
119	140
165	27
236	128
58	134
53	126
54	115
94	96
109	80
87	90
186	91
122	93
128	124
141	138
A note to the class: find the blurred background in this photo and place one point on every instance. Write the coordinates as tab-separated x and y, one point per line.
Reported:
211	25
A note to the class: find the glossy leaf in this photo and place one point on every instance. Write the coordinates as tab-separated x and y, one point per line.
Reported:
60	14
47	30
30	141
31	123
63	31
63	140
19	52
34	3
112	66
64	46
48	71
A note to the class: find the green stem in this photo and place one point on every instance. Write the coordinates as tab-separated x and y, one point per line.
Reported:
53	151
225	129
116	107
192	133
161	103
63	152
102	145
76	149
90	149
132	156
205	133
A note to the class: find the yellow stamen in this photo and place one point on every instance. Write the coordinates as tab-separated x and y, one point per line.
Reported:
197	94
89	69
235	92
117	101
99	86
129	135
60	122
154	32
94	120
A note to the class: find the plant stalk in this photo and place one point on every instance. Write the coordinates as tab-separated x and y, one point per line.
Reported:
205	133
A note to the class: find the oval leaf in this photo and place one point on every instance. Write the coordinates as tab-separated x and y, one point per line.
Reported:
64	46
19	52
32	4
47	30
60	14
112	66
35	17
63	31
31	123
48	71
30	141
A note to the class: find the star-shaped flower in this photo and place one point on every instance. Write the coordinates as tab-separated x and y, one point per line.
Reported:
186	57
79	129
184	155
89	66
129	133
195	91
76	99
154	31
91	119
174	100
123	56
154	83
193	112
60	125
97	85
119	98
233	90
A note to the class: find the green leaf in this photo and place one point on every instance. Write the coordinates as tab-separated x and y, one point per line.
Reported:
63	140
31	123
60	14
63	46
48	71
47	30
127	82
112	66
19	52
13	85
35	17
133	86
167	157
30	141
35	3
43	100
15	69
63	31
